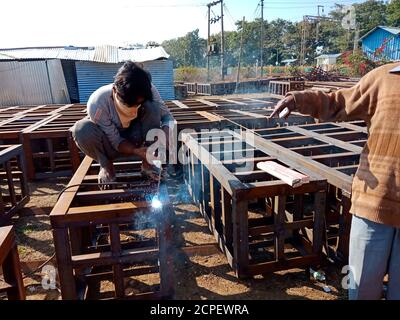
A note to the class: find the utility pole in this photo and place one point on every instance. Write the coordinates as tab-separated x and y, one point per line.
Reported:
320	7
240	56
304	33
211	21
356	38
208	42
318	22
262	39
222	43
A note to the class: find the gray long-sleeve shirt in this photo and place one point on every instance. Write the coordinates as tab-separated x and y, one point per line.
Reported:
101	110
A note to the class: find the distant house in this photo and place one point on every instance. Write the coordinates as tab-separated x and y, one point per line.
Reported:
71	74
327	61
382	43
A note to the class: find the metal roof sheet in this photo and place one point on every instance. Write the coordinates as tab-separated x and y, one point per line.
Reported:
392	30
105	54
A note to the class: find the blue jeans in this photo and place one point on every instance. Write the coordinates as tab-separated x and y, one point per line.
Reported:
374	252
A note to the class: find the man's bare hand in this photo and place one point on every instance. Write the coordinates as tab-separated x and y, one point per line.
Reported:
151	171
288	103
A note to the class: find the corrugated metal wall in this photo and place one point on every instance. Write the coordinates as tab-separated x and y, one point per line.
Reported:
71	80
92	75
376	39
163	77
32	82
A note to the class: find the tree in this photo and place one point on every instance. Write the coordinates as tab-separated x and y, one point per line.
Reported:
393	13
152	44
189	50
370	14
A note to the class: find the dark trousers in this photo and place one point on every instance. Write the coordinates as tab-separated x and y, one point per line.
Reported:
94	143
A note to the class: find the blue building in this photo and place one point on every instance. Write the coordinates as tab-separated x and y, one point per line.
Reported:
382	43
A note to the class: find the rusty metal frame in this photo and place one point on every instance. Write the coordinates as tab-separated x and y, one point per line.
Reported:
224	198
83	211
13	284
280	88
39	141
332	150
12	169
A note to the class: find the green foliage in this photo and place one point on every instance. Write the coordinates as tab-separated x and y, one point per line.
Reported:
370	14
190	74
189	50
294	71
393	13
282	40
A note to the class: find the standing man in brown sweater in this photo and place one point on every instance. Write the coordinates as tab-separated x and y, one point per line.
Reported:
375	230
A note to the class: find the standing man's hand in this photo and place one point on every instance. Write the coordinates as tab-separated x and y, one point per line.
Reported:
288	103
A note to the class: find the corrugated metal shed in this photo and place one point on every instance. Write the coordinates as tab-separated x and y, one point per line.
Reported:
88	68
93	75
382	36
32	82
71	79
104	54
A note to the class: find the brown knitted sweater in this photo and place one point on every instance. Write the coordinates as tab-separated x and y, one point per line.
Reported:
375	99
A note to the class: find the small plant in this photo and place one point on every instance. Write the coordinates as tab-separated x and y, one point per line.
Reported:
358	63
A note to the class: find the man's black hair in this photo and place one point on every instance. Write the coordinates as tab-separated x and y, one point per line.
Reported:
132	83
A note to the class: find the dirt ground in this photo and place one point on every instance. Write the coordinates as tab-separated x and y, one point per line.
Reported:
205	276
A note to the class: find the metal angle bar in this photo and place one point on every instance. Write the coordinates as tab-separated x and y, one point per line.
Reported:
301	163
326	139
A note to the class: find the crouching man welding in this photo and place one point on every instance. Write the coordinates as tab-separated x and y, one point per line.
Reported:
375	230
121	115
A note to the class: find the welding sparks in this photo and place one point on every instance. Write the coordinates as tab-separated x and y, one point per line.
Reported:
156	203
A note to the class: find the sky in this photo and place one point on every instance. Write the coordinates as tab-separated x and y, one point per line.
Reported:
32	23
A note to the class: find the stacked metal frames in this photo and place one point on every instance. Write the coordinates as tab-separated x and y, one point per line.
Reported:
261	223
332	150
